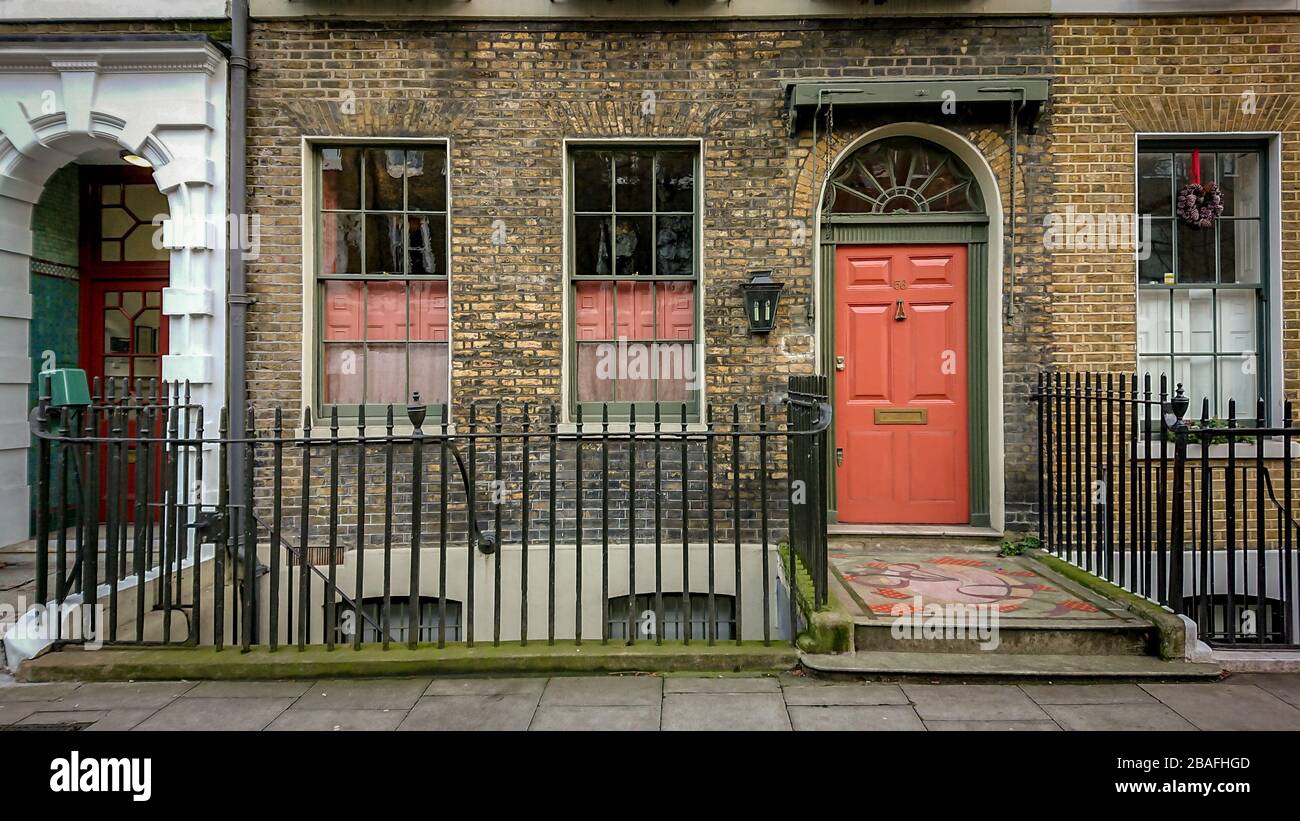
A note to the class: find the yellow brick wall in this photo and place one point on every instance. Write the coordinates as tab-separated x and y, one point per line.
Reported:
1119	77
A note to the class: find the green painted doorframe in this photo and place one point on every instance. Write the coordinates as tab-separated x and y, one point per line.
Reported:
902	230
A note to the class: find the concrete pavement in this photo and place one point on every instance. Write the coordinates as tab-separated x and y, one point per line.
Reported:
644	702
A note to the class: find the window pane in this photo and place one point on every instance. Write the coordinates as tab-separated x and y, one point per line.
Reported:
591	181
1155	184
1183	168
428	245
115	222
1196	374
146	202
341	178
1161	259
386	311
1239	247
675	183
593	310
1237	380
429	311
675	310
146	367
426	180
344	367
340	244
148	326
385	169
675	242
386	374
633	184
1239	179
342	311
115	366
1195	253
635	373
635	315
1194	321
117	331
384	236
1153	321
597	366
1237	321
633	246
429	372
591	252
676	372
143	244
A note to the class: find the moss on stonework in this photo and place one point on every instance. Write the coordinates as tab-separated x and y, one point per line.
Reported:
829	628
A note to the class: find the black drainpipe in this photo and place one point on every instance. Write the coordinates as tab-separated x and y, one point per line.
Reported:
237	299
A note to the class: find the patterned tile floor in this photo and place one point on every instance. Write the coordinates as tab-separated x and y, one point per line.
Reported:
889	582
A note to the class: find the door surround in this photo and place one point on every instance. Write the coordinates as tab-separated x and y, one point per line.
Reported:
983	236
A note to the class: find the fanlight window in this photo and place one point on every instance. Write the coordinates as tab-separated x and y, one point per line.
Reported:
902	175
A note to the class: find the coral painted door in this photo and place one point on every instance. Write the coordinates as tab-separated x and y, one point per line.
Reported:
900	384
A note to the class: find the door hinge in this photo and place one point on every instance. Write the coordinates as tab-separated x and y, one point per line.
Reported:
839	457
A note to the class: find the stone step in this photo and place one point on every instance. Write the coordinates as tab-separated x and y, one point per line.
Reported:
955	666
942	636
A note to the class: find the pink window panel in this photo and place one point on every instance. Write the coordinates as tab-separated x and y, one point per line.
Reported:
429	311
594	310
342	310
636	311
676	310
386	311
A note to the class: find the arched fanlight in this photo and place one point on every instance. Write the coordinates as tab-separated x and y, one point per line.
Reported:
902	175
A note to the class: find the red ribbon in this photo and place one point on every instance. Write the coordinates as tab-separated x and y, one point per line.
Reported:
1196	166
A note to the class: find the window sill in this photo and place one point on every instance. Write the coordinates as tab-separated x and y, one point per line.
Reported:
592	427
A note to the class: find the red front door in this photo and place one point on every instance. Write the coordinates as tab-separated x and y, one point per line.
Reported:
900	384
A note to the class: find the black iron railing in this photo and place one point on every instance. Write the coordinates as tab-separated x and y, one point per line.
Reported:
391	530
1190	516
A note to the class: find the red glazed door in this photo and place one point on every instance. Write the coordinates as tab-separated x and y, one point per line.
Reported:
900	385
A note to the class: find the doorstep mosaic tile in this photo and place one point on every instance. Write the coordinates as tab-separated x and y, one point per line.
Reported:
895	582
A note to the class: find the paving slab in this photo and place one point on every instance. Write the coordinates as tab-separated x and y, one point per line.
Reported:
250	689
16	712
816	695
715	711
858	718
995	726
127	694
120	720
486	687
1285	686
15	692
216	714
46	717
1227	707
337	720
497	712
1087	694
722	684
604	691
565	717
364	694
1153	716
972	702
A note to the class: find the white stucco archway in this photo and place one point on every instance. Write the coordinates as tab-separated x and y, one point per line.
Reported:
979	166
163	98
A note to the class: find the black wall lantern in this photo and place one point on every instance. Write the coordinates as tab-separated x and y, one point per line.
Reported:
762	293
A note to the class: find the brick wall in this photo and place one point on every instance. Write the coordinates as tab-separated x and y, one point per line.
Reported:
1119	77
508	93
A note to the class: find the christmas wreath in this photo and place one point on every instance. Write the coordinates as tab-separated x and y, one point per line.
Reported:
1198	204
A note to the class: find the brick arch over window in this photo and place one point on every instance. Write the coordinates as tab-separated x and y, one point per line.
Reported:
162	100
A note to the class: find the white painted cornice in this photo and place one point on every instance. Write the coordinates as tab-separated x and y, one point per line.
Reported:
110	57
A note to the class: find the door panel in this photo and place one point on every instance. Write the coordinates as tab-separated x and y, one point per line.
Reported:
901	392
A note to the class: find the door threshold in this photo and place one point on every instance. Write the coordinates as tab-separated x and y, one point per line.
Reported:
845	529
